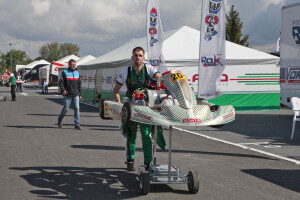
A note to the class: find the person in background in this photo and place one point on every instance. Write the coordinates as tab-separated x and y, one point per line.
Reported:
44	86
70	86
19	82
13	84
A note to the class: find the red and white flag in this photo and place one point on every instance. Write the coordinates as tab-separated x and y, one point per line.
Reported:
212	48
155	36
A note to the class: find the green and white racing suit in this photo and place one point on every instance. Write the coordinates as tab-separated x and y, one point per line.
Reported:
134	81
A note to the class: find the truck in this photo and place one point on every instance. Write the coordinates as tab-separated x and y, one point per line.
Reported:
33	74
290	53
50	72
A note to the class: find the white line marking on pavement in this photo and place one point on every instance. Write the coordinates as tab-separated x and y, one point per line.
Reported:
264	144
25	94
242	146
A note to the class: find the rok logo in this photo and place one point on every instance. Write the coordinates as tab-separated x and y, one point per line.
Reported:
212	19
154	62
296	31
209	62
153	29
294	75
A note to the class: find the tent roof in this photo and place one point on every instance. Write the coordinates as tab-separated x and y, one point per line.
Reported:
31	65
67	58
81	61
64	60
181	47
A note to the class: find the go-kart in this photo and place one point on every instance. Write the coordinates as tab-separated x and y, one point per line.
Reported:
171	104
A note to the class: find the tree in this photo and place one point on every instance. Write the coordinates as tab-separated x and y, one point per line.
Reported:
54	51
234	28
68	49
50	51
18	58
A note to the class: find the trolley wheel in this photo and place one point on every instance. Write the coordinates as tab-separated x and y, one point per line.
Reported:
193	182
144	183
126	113
101	109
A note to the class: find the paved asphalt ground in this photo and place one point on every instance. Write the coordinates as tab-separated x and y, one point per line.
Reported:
40	161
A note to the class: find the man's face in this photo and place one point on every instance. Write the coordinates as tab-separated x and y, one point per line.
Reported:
138	57
72	65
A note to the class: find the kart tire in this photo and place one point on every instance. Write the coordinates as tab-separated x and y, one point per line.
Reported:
217	126
144	183
193	182
101	109
126	113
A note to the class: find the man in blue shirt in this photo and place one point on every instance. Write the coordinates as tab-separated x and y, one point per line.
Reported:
70	86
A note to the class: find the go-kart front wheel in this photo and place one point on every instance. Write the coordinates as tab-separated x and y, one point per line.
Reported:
144	183
126	113
193	182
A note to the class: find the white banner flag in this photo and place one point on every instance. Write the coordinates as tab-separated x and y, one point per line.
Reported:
212	48
155	36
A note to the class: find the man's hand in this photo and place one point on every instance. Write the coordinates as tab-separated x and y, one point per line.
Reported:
80	97
65	92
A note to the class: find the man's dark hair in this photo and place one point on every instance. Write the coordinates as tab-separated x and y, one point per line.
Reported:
138	49
71	60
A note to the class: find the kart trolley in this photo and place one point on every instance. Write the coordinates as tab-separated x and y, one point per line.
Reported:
166	173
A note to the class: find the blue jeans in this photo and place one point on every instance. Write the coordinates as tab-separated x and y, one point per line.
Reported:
67	102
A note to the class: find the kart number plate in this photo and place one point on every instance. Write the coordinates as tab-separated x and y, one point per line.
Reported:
176	76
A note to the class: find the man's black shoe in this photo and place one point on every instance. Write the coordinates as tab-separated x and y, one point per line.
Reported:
147	166
130	165
59	124
77	127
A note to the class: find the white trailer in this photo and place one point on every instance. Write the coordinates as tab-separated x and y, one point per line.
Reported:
290	53
50	72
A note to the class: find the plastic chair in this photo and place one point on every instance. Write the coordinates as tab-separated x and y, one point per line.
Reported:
296	108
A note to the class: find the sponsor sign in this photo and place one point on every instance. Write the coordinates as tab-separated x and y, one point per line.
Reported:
212	48
155	36
290	75
296	31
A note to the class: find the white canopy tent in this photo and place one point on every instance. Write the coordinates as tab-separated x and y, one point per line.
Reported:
248	72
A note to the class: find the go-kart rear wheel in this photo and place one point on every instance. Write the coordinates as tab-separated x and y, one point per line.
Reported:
144	183
126	113
101	109
193	182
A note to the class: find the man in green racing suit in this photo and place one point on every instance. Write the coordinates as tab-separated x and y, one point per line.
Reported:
138	76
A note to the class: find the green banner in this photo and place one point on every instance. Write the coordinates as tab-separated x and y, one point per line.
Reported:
245	102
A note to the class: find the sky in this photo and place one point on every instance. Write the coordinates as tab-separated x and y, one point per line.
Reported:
99	26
